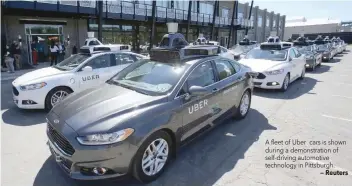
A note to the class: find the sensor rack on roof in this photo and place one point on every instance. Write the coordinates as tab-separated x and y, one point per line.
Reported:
198	52
273	46
164	55
300	43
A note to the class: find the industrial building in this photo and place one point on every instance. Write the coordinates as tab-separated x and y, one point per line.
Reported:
137	23
301	25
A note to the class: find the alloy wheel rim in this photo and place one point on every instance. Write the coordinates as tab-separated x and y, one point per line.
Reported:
155	156
244	104
58	96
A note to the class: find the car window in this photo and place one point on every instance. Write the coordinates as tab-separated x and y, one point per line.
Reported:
236	66
298	54
223	50
224	68
93	43
101	61
122	59
202	75
292	54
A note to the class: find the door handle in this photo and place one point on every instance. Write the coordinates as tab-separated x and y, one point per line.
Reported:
214	90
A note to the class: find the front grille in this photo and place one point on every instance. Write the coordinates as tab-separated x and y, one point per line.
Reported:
60	141
15	91
261	76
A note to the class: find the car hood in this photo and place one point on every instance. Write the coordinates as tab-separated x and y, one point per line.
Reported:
37	74
101	109
260	65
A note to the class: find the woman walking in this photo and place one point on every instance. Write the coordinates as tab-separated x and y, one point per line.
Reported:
53	53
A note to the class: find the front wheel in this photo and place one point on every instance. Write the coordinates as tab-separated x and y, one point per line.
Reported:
303	74
152	157
243	108
55	96
285	83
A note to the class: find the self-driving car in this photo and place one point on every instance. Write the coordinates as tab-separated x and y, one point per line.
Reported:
240	50
313	58
277	65
136	121
327	52
43	88
213	49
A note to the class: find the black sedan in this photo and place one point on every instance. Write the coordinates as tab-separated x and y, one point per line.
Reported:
136	122
327	51
313	58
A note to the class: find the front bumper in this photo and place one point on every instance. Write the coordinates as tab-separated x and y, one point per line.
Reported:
270	81
326	57
116	158
31	99
310	63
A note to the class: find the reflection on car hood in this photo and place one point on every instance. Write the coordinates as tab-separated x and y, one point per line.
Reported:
30	77
88	110
260	65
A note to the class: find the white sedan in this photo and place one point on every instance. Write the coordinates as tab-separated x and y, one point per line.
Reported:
276	68
43	88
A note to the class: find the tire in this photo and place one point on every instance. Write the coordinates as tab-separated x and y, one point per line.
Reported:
285	83
303	74
55	91
246	103
313	68
320	63
138	172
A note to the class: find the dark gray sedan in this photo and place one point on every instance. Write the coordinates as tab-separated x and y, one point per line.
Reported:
135	123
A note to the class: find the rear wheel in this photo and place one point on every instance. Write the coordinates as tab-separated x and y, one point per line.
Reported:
303	74
243	107
285	83
152	157
55	96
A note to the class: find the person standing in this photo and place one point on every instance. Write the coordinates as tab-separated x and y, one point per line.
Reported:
61	54
17	55
34	52
9	63
53	53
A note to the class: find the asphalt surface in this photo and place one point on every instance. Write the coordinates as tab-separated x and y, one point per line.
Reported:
316	108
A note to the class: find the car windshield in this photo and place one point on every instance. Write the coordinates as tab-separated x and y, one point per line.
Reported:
72	62
305	49
322	47
274	55
150	77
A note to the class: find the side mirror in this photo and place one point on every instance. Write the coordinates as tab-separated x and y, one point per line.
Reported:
87	69
197	91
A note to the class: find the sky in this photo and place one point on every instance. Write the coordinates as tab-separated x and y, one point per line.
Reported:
310	9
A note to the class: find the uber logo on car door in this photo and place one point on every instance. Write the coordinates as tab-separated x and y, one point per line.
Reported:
92	77
197	106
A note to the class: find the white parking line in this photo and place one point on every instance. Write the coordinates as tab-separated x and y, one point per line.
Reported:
339	118
333	168
347	97
347	84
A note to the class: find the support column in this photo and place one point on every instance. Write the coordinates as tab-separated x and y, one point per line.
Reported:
188	19
277	23
234	13
214	16
283	26
264	26
100	21
271	17
152	30
249	16
255	23
198	11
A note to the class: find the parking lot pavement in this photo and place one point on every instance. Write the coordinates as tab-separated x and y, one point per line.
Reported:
316	108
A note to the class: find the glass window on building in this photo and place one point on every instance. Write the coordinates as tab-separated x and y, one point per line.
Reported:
267	21
166	4
274	24
225	12
181	5
260	21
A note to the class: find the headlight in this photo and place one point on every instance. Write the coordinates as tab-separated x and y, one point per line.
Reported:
105	139
275	72
33	86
